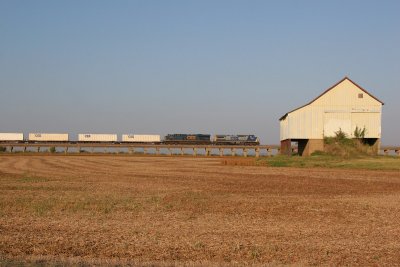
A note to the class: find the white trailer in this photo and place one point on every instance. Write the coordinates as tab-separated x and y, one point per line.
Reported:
97	138
48	137
141	138
11	137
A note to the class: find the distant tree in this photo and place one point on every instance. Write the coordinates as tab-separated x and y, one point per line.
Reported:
52	149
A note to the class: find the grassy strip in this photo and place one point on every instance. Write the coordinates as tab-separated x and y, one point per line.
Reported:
327	161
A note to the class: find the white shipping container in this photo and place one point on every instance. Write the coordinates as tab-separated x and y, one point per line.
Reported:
11	137
97	138
49	137
143	138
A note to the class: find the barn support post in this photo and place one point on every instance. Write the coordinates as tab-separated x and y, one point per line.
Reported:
308	146
377	145
66	150
170	151
257	151
38	149
24	149
157	151
208	152
245	152
145	150
79	149
221	152
286	147
194	151
182	152
11	149
233	152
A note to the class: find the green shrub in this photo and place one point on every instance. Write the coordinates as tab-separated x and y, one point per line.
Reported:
340	136
318	153
360	133
329	140
52	149
3	149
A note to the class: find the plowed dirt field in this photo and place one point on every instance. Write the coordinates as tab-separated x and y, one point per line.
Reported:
194	211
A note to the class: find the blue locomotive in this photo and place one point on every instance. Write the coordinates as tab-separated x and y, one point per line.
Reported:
241	139
197	139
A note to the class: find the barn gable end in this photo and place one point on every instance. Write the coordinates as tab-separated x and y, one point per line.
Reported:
346	93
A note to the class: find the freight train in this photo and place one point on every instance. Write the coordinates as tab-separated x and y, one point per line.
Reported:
193	139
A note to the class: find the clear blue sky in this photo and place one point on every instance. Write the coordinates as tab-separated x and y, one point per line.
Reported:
189	66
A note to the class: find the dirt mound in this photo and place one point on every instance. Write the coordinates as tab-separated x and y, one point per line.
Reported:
352	148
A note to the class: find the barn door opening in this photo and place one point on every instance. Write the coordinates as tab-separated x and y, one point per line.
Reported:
334	121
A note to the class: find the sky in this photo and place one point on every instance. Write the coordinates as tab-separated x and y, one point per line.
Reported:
217	67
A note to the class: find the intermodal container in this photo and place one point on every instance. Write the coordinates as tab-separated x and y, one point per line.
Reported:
48	137
97	138
141	138
11	137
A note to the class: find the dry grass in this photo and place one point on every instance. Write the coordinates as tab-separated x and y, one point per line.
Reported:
337	162
239	161
110	210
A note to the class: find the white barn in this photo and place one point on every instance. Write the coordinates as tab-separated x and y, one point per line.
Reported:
345	106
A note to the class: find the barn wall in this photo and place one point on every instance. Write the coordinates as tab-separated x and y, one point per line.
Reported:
284	133
305	123
371	122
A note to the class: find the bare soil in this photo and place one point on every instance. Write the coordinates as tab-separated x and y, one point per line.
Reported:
111	210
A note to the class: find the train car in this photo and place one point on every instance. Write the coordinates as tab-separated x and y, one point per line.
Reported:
241	139
48	137
141	138
11	137
196	139
98	138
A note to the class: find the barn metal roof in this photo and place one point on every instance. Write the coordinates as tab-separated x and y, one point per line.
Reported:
330	88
